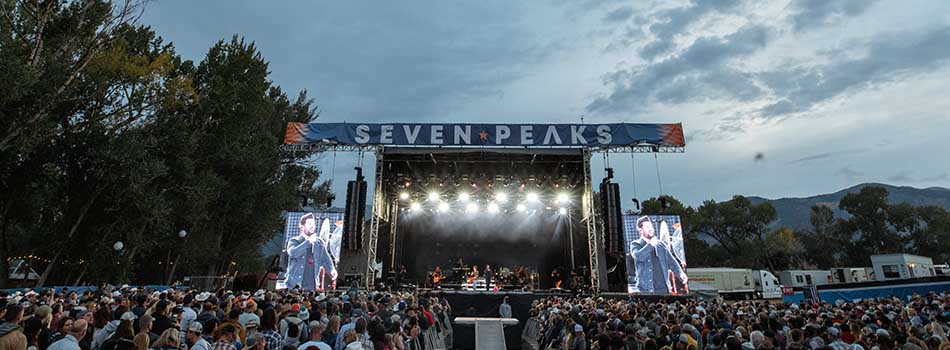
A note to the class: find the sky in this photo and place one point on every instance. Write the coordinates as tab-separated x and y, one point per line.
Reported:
777	98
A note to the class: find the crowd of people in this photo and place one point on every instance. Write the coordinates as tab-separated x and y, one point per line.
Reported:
133	319
919	323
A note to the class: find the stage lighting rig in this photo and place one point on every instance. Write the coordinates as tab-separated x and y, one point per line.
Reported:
464	197
562	211
501	197
472	208
532	196
434	196
563	198
404	196
443	207
415	206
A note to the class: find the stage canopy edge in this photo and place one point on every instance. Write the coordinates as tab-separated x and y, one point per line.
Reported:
616	137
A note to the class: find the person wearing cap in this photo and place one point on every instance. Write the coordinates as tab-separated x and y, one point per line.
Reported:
254	342
834	339
579	342
193	336
188	313
292	318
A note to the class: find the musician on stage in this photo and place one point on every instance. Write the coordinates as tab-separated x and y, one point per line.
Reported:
556	278
437	276
489	274
473	275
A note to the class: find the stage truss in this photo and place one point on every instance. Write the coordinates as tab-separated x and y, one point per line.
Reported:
384	211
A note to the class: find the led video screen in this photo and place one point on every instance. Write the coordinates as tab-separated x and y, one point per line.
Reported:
311	251
656	260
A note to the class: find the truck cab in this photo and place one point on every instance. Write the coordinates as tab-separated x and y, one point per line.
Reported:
767	285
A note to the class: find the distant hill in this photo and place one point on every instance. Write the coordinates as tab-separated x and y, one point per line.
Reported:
795	212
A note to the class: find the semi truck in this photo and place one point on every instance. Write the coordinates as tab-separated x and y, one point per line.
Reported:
733	283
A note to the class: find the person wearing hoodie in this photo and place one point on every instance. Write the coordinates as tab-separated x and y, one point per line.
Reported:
11	335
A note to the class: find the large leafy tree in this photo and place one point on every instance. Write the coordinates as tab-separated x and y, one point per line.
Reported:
738	227
109	136
822	243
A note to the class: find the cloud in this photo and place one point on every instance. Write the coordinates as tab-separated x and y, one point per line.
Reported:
888	58
901	177
810	14
701	71
619	14
668	23
849	174
825	155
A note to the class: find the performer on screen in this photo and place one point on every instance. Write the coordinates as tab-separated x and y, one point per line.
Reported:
653	261
310	264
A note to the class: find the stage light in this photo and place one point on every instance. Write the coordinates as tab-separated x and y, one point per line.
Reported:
521	208
562	198
472	208
492	208
532	196
443	207
501	197
463	197
562	211
404	196
415	206
434	196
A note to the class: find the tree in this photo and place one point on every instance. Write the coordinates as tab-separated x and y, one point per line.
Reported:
822	244
869	230
783	249
738	227
933	237
109	136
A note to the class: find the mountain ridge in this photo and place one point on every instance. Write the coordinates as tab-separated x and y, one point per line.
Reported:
794	212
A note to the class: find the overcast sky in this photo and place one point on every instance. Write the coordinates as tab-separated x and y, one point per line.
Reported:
830	93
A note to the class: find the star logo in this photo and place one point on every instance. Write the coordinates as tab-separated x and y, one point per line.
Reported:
483	135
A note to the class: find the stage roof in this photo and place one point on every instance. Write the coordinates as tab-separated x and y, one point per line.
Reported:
619	137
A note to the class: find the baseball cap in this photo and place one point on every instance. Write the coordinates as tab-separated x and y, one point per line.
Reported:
252	342
578	328
834	332
195	326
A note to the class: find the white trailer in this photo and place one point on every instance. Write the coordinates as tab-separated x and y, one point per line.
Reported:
851	274
802	278
732	283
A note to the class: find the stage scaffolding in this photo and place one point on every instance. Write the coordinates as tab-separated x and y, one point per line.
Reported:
385	211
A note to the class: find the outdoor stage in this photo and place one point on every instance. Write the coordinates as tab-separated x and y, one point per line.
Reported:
457	196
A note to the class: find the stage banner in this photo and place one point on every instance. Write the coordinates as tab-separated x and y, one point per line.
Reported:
656	259
311	251
524	135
